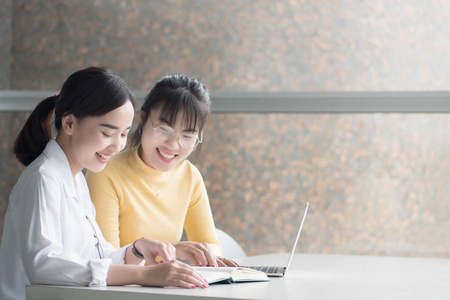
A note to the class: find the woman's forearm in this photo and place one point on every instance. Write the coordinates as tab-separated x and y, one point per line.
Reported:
124	274
172	273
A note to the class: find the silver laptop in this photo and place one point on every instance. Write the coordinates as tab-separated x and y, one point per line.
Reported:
279	271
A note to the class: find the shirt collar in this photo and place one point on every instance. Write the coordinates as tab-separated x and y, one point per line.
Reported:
56	155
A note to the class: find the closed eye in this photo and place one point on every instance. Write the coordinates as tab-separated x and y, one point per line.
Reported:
165	128
188	136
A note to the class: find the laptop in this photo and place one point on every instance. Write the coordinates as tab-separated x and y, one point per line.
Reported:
278	271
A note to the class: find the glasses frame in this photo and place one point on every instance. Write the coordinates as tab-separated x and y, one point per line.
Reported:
199	139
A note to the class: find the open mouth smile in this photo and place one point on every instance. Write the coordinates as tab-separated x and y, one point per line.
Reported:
103	156
166	155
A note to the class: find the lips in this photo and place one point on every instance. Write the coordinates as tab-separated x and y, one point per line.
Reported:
166	155
103	157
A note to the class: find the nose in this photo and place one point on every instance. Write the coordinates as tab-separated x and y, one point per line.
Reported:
173	140
119	143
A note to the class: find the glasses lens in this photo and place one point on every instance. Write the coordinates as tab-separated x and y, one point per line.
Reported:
163	131
188	141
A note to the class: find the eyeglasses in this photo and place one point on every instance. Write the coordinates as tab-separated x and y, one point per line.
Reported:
187	141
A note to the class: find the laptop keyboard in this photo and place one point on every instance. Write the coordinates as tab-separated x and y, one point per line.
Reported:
265	269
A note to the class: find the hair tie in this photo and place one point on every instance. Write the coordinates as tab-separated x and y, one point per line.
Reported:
56	97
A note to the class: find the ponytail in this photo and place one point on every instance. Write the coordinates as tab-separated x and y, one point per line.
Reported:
94	91
36	132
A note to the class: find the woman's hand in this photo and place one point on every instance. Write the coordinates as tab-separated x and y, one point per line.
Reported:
154	251
199	254
173	273
226	262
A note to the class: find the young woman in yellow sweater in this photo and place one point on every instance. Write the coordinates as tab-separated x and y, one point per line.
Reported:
151	190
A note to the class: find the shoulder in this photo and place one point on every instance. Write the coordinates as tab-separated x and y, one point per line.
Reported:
188	169
41	177
47	168
187	166
40	171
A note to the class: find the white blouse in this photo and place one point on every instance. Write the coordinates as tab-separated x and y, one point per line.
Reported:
50	235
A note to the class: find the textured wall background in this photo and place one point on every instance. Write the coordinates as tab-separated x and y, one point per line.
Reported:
237	45
377	183
5	44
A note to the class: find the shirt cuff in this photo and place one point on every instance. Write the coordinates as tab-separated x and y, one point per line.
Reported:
99	269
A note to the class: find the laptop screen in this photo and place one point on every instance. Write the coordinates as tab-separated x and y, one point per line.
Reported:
297	238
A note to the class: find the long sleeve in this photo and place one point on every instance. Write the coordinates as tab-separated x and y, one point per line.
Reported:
104	194
199	223
54	247
47	236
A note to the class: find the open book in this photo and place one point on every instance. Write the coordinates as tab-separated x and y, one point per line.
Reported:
231	274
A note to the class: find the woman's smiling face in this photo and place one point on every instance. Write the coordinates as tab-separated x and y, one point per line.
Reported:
93	140
163	154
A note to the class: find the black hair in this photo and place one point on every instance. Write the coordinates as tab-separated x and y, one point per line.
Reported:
90	92
173	94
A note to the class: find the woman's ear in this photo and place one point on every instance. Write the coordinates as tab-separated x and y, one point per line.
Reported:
67	124
142	116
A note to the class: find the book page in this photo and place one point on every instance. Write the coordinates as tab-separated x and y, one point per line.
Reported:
212	274
231	274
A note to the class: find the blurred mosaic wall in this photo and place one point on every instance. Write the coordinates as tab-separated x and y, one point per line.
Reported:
5	44
377	183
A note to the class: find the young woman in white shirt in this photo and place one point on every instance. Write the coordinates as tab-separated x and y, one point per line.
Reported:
50	234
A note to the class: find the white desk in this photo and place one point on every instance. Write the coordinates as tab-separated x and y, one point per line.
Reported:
311	276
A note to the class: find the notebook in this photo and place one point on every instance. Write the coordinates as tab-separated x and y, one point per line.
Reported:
280	271
230	274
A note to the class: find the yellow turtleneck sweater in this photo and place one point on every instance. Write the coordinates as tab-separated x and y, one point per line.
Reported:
128	208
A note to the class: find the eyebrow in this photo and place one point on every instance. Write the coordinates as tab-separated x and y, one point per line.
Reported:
112	126
193	130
